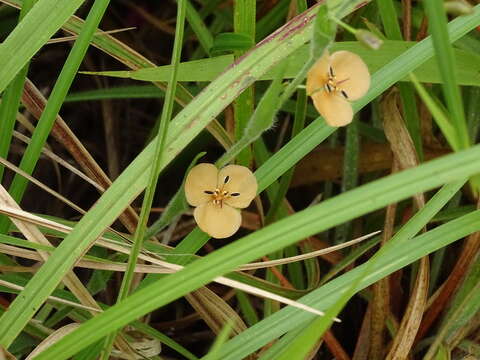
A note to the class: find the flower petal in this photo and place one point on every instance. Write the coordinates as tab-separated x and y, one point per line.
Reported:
218	222
335	110
351	68
318	74
202	177
239	180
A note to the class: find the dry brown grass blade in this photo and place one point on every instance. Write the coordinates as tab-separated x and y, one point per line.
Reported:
111	138
99	33
309	255
52	339
410	324
60	161
362	347
34	235
5	355
468	254
87	264
449	335
154	269
334	346
381	293
147	16
35	102
25	216
251	221
215	311
405	154
41	185
13	286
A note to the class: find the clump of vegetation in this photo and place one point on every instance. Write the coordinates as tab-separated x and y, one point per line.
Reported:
125	124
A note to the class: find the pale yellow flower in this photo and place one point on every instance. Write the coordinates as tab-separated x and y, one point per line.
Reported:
217	195
334	81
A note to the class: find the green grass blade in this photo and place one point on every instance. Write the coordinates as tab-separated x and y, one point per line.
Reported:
467	65
414	225
437	21
177	205
332	212
350	173
11	101
247	309
59	92
409	105
389	19
298	125
184	127
120	92
164	339
134	179
438	114
140	231
44	20
213	354
244	16
199	28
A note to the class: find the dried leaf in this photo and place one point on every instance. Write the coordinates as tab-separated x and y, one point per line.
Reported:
404	152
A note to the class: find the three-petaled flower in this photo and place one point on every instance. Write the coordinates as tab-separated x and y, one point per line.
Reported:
217	195
334	81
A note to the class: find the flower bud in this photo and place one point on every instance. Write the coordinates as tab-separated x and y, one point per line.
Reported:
368	38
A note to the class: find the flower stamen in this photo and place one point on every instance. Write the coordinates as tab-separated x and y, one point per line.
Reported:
219	195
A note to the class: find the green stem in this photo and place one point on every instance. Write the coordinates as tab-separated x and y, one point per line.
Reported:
154	170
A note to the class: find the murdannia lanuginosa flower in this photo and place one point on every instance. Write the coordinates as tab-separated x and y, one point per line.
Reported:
334	81
217	195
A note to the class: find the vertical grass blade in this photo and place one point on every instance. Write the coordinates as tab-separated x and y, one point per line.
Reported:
11	101
446	63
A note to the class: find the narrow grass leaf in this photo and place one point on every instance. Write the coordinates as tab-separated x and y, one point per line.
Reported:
59	92
133	180
312	220
446	62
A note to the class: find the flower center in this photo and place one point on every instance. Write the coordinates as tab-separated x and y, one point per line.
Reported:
219	195
333	85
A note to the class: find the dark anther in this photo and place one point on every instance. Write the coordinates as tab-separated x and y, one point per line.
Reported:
329	89
331	72
235	194
226	179
344	94
208	192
